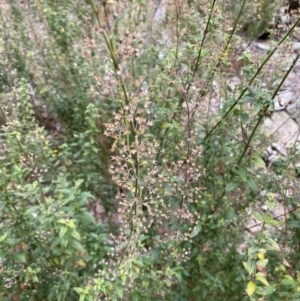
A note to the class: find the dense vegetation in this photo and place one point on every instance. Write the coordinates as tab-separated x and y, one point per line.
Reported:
128	169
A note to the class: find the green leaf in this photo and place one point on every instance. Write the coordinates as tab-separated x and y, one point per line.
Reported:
20	257
261	253
246	266
78	183
252	250
263	263
82	297
144	163
62	221
267	218
273	222
230	215
236	112
267	290
261	277
298	276
252	185
295	224
172	125
71	223
242	172
196	230
251	265
251	287
247	99
35	278
119	290
272	243
75	234
258	216
232	185
3	237
257	160
288	280
244	117
62	232
31	210
76	245
87	218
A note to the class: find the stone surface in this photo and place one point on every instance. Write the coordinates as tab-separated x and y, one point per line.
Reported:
294	110
262	45
296	46
283	127
283	99
232	83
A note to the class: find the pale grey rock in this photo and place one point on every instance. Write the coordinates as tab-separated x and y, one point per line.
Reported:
283	127
297	68
159	14
294	110
279	148
285	19
233	83
263	46
283	99
278	211
296	46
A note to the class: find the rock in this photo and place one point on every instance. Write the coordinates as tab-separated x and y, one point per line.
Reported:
296	46
160	14
263	46
233	83
284	128
278	211
297	67
283	99
278	148
291	81
294	110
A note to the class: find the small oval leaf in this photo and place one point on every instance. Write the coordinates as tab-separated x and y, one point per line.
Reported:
251	287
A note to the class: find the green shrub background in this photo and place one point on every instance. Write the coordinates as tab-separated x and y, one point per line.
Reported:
119	178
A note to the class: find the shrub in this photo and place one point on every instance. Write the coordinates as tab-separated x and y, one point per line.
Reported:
104	108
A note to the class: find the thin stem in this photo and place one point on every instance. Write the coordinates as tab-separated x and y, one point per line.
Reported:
262	114
253	78
177	29
251	137
135	166
221	56
182	99
201	45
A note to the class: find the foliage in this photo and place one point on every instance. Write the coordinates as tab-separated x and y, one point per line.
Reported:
124	106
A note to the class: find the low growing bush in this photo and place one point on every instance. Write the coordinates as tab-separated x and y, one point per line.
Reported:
124	106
